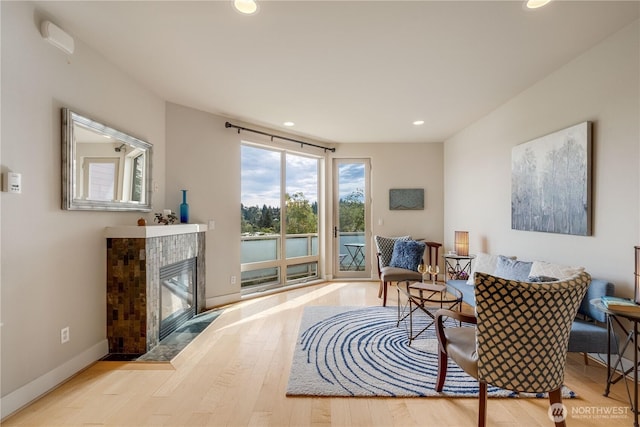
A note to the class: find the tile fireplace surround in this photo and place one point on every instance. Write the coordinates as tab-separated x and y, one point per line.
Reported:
134	258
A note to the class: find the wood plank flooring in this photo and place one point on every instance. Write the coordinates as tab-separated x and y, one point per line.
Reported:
235	374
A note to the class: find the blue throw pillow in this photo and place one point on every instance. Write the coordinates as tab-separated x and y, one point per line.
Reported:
407	254
385	248
512	269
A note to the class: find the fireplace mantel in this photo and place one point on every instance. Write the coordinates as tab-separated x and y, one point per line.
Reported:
144	232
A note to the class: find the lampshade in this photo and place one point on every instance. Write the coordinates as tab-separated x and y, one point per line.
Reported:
462	243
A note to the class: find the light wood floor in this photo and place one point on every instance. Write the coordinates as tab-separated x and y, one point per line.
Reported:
235	374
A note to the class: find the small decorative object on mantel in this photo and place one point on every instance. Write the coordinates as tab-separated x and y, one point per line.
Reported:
170	218
184	208
142	222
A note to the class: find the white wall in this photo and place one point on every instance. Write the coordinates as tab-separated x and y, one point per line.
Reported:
601	86
53	261
203	157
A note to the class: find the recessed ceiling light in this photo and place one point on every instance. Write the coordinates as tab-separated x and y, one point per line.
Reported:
418	122
248	7
289	124
534	4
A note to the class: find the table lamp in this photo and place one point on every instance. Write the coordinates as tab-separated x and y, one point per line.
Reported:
462	243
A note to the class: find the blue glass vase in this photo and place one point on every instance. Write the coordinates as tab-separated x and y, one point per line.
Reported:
184	208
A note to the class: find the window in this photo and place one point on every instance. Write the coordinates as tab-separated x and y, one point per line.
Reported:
277	185
137	183
100	178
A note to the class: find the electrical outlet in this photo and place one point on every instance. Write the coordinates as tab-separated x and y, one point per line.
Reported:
233	280
64	335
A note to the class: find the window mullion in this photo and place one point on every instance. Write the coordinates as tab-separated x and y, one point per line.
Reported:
283	217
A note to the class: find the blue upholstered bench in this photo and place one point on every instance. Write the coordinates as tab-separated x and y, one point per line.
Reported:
586	336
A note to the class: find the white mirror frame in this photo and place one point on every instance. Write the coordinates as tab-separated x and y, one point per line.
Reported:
70	163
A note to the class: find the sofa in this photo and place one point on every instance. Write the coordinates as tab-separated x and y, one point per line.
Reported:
588	331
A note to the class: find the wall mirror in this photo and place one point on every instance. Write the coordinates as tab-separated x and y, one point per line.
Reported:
103	168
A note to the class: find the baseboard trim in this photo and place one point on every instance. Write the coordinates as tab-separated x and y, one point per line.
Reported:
223	300
26	394
602	360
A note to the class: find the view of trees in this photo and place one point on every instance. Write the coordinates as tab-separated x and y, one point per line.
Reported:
352	212
260	220
302	215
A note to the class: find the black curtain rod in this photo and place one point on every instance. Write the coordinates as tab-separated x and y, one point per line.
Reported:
229	125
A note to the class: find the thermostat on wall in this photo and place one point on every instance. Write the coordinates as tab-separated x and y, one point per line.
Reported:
14	182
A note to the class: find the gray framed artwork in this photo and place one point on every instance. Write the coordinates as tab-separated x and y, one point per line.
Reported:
403	199
551	182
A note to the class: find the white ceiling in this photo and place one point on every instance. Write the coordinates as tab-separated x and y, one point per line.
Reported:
359	71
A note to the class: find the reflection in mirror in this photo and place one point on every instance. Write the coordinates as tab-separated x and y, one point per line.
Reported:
103	168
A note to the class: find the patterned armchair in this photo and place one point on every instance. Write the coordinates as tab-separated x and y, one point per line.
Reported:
397	264
520	339
387	271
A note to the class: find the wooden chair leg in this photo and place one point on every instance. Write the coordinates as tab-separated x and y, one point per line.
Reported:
442	369
586	358
555	396
384	293
380	288
482	410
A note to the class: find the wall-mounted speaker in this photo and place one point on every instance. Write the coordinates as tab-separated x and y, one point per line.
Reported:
57	37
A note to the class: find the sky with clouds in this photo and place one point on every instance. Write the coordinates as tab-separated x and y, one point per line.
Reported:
261	177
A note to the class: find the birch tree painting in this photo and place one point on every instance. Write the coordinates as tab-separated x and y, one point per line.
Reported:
551	183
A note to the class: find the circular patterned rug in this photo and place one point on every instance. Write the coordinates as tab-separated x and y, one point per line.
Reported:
361	351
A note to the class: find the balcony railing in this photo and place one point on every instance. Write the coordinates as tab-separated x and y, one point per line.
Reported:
261	261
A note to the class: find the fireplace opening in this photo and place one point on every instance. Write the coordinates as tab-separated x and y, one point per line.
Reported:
177	295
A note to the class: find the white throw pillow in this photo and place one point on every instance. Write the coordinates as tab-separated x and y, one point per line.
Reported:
484	263
547	269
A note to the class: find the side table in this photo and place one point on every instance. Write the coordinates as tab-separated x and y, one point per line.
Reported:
614	315
427	297
458	267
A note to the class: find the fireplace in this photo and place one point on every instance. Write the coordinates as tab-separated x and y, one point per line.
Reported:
177	297
139	302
